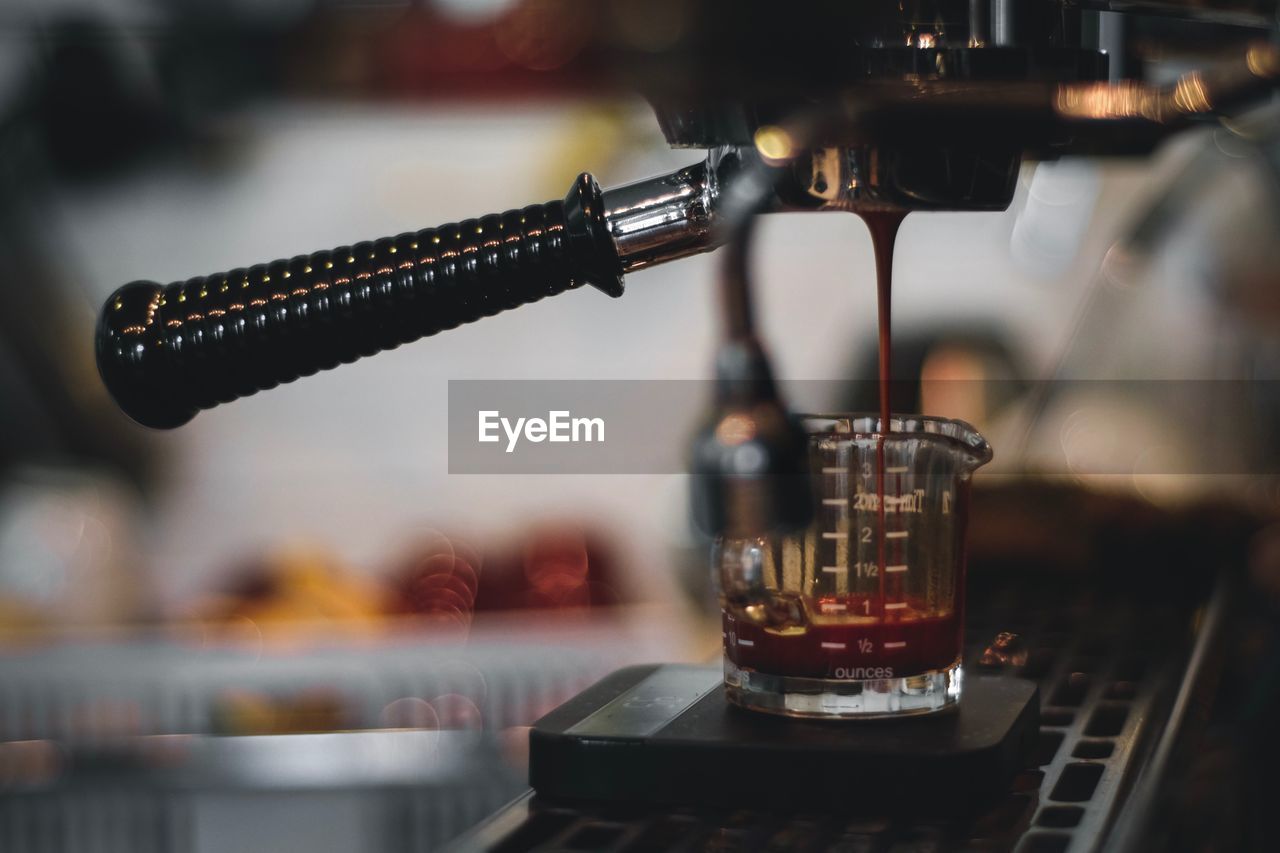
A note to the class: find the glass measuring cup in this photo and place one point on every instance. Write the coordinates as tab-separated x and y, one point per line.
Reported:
861	613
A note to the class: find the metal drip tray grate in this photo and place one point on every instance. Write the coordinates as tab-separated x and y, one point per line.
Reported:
1107	672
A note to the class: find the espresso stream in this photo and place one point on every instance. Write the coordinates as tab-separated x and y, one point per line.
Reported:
883	225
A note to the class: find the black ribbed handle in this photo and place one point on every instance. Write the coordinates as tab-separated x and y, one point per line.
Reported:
167	352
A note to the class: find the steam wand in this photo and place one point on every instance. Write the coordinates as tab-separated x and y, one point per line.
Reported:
750	461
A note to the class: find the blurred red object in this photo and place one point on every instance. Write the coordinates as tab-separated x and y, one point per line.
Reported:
553	567
532	46
438	577
556	567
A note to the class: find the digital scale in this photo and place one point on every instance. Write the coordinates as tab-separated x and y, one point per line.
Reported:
666	735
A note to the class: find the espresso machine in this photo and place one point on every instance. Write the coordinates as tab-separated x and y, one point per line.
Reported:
1063	734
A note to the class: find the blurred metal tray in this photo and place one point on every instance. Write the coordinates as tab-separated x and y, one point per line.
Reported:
127	743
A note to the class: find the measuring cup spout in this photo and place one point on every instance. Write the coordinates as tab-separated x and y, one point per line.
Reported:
975	450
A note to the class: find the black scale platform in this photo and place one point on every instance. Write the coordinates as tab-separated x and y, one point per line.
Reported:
666	735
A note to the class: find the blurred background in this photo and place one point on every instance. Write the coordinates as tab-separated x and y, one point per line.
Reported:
302	562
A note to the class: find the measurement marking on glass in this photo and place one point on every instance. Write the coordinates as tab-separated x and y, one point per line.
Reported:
897	469
836	470
834	502
835	570
896	534
743	642
830	608
895	605
835	535
898	645
834	645
894	569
